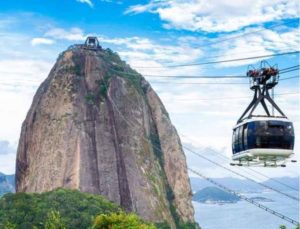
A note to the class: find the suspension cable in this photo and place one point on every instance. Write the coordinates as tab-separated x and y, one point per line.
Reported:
241	175
209	83
233	98
253	170
291	70
267	209
292	77
222	61
281	71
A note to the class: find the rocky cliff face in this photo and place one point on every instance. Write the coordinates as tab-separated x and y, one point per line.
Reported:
98	126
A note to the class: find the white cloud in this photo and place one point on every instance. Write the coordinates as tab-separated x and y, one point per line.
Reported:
7	157
19	80
41	41
12	69
6	147
267	42
89	2
140	52
74	34
7	163
22	68
215	15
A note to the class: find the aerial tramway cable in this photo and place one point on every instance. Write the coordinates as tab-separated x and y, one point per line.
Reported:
282	71
221	61
209	83
233	98
267	209
241	175
288	68
250	169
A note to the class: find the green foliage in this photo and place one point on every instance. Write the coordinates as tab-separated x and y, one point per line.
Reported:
284	227
54	221
62	209
76	209
102	88
10	225
154	139
163	225
112	57
121	69
120	221
133	77
74	69
77	70
90	98
179	223
103	85
187	225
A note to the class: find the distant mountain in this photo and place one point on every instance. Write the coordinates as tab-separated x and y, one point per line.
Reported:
214	195
7	183
289	181
246	185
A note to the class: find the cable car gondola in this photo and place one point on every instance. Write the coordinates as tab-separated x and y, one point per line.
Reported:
266	140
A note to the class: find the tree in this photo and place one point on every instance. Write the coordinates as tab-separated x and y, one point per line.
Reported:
10	225
54	221
120	221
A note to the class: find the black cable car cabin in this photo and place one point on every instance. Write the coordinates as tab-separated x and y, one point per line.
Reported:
268	138
262	138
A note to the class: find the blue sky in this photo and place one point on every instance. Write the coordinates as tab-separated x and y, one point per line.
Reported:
154	33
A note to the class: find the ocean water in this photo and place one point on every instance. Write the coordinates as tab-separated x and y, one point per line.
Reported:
243	215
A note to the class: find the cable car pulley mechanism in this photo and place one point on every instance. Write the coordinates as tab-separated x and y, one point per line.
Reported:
262	140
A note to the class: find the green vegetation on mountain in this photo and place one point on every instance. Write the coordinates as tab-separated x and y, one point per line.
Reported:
213	194
284	227
62	209
120	221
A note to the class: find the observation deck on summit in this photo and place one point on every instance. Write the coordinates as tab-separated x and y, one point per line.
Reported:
92	43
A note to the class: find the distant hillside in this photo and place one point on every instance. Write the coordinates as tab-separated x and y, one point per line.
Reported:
245	185
7	183
214	195
63	208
